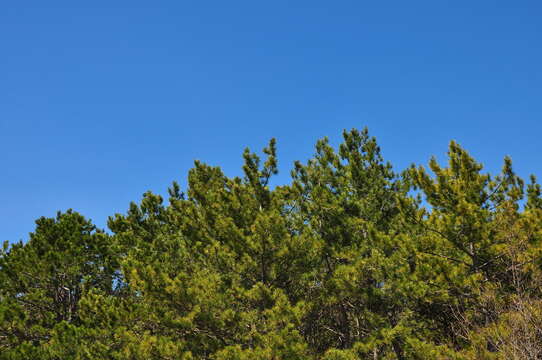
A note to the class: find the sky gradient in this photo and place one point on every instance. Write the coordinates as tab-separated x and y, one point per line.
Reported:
100	103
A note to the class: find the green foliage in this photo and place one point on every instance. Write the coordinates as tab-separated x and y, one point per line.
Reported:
351	260
43	281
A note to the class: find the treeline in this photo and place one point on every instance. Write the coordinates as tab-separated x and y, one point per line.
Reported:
348	261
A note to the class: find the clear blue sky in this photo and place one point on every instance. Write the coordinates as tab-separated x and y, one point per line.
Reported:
103	100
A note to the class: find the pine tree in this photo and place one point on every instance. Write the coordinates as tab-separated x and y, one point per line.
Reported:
350	260
43	281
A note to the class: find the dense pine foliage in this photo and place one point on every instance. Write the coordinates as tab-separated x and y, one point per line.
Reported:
348	261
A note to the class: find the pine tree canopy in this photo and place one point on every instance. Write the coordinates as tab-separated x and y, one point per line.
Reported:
350	260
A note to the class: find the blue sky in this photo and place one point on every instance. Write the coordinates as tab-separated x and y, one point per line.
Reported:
103	100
